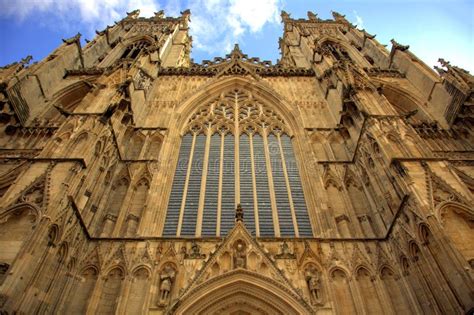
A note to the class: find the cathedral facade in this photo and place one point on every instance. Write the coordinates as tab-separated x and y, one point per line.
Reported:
339	180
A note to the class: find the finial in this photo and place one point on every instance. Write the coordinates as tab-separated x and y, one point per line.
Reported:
134	14
239	213
337	15
284	15
160	14
444	63
236	53
399	46
312	16
73	39
26	60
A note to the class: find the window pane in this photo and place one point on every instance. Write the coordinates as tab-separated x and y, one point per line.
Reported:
174	204
194	188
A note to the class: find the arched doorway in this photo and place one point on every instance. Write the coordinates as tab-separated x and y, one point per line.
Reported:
240	292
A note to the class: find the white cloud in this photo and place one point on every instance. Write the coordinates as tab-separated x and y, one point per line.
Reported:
255	13
359	21
93	13
215	24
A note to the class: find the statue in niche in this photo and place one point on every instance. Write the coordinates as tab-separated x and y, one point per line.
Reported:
240	256
195	252
313	279
166	282
285	252
239	213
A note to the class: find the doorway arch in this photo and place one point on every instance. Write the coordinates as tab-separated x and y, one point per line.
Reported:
241	292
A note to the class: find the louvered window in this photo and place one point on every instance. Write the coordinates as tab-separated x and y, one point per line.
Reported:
236	150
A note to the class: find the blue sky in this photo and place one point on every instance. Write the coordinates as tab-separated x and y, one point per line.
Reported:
432	28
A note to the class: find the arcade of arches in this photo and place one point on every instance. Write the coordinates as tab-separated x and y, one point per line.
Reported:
339	180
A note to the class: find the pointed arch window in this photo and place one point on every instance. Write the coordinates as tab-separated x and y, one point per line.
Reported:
236	150
133	50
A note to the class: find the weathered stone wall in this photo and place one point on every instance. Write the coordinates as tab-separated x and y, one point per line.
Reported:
89	146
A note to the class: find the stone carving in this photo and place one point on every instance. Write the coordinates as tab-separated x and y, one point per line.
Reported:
240	254
4	267
285	252
311	113
167	277
195	252
313	280
239	213
142	80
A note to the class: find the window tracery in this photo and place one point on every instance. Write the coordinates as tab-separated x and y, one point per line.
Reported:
236	150
132	51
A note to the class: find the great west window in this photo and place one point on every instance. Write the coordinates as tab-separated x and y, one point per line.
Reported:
236	150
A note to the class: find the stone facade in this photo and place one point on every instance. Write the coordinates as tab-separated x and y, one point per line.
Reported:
349	188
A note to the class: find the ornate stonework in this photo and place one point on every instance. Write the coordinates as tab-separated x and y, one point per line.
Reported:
339	180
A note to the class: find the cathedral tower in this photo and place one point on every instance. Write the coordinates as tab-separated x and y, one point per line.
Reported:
339	180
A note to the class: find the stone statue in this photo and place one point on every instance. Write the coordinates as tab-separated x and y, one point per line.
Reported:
240	257
239	213
285	252
167	277
195	252
313	280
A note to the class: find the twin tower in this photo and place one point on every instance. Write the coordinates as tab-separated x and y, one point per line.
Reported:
339	180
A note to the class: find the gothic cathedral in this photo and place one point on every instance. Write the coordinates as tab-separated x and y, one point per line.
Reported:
339	180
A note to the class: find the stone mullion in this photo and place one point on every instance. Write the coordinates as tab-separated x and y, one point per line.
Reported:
185	188
276	223
219	194
236	151
202	195
288	188
254	185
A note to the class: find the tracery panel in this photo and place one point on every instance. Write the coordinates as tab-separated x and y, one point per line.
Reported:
250	161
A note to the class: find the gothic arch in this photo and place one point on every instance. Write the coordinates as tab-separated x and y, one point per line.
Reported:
139	289
395	289
402	100
67	99
16	226
241	290
457	221
81	293
111	290
117	52
368	290
264	94
353	53
341	290
229	109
